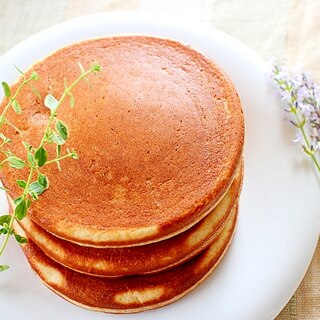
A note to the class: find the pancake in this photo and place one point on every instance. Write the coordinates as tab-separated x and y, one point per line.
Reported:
129	294
150	258
159	138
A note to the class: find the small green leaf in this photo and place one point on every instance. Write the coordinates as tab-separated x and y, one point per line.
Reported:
21	210
16	201
5	219
27	145
41	155
48	136
34	75
58	151
6	226
36	187
57	139
34	196
71	99
20	239
19	70
62	129
4	138
16	106
95	67
31	159
43	180
15	162
74	155
2	120
3	231
51	102
6	89
309	151
21	183
81	67
3	267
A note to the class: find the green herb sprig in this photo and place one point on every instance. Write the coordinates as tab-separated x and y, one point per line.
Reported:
13	102
56	132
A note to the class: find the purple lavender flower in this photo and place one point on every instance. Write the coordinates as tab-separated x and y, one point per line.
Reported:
301	97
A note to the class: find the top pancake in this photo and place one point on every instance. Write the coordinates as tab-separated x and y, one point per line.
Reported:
159	137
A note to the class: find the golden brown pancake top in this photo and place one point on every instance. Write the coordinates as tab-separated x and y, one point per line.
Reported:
159	137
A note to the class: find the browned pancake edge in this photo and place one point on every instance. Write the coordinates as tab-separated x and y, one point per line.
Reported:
129	294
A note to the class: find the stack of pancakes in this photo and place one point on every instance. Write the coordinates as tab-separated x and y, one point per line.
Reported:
150	207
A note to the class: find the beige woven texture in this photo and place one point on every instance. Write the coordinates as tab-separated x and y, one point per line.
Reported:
287	29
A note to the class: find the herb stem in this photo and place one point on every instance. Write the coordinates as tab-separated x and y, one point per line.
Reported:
26	188
306	140
13	126
65	93
13	216
5	241
316	162
36	157
58	159
26	81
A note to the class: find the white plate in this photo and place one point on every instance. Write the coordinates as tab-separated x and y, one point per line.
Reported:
279	219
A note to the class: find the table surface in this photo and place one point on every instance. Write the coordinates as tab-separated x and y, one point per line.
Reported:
291	27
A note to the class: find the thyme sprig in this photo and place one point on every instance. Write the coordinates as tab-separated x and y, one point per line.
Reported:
13	102
302	103
55	132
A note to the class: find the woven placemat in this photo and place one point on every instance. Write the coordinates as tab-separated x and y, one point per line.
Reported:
305	304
